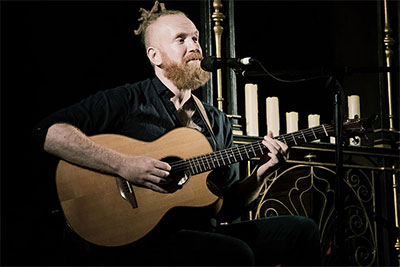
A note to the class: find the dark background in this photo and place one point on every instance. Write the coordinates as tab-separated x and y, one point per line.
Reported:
304	39
54	53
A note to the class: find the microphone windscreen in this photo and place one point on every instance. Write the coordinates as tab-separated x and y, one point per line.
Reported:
207	63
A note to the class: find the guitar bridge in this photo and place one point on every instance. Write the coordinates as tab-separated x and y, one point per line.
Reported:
126	192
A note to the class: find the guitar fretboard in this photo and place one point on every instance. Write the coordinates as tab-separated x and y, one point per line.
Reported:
239	153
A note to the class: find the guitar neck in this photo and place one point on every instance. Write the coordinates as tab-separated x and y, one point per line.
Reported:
240	153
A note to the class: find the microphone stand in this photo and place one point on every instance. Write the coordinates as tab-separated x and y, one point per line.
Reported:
339	237
339	251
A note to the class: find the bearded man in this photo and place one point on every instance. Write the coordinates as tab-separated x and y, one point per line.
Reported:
150	109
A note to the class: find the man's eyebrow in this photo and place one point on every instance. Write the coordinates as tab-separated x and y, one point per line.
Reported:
181	35
184	34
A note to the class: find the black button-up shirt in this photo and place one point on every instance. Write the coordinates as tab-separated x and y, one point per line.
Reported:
142	111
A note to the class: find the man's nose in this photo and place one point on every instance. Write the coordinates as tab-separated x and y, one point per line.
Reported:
194	46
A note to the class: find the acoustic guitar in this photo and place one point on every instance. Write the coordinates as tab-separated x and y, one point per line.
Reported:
110	211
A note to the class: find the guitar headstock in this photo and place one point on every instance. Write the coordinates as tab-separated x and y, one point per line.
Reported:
358	126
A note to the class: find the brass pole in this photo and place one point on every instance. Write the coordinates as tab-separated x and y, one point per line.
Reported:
388	41
218	17
396	213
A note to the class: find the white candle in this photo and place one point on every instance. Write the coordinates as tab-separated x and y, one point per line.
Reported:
273	115
354	106
353	102
292	122
313	121
251	106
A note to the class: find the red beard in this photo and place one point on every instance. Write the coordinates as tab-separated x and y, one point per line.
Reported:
185	75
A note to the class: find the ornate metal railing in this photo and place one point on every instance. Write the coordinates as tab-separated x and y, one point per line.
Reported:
305	186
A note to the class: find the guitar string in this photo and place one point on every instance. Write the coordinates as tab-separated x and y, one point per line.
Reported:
254	146
237	152
240	150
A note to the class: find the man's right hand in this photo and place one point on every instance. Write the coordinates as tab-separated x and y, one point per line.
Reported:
145	171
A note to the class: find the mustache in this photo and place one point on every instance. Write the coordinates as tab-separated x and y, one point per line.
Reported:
193	56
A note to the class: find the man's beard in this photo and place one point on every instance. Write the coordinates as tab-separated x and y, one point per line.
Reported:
185	75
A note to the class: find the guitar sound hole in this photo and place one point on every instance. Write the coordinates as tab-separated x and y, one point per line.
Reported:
178	175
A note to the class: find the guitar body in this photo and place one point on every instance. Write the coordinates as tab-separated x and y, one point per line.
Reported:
92	202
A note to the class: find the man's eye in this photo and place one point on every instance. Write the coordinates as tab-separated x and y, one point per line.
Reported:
195	39
181	40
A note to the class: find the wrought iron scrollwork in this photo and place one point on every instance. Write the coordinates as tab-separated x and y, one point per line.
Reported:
307	190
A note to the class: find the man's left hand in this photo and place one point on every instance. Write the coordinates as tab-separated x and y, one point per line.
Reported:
278	153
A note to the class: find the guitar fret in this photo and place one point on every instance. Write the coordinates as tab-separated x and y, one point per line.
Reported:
240	154
212	161
191	166
222	157
199	164
245	150
202	161
262	151
284	140
219	165
233	154
294	139
226	152
196	165
312	130
254	152
323	126
208	163
305	140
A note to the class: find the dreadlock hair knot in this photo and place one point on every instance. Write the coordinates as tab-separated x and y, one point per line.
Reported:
147	17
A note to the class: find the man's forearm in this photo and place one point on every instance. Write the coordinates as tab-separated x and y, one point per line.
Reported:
69	143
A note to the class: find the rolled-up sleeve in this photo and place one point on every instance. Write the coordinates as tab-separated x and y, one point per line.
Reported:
102	112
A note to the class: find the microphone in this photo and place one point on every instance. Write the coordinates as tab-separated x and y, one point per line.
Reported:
213	63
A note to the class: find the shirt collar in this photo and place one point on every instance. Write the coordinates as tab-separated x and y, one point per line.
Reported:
167	94
161	89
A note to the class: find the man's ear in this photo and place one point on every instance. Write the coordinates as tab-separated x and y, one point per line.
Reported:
154	56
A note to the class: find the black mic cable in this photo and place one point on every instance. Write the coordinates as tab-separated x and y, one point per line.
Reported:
283	80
